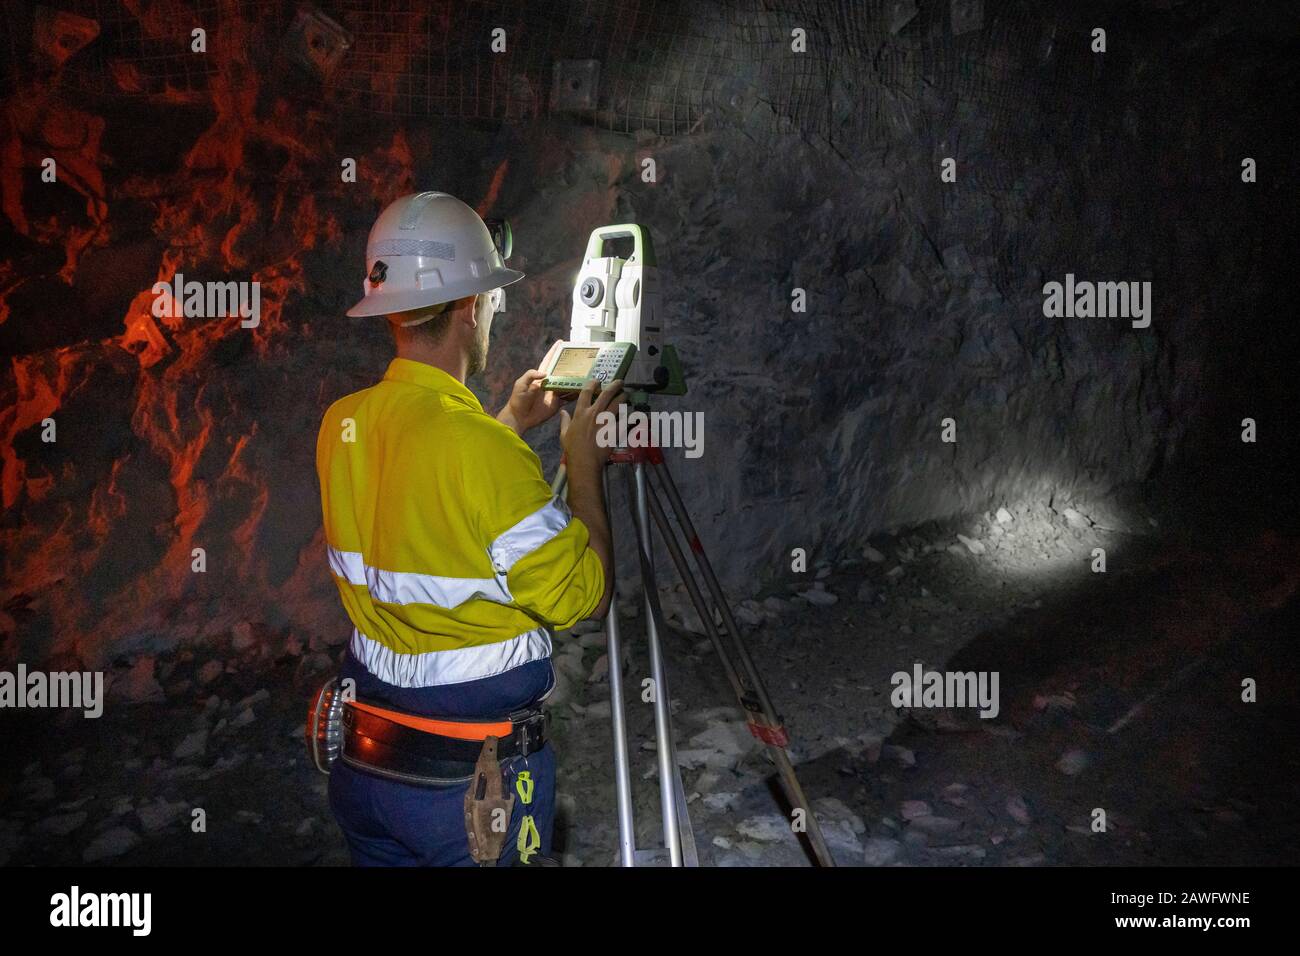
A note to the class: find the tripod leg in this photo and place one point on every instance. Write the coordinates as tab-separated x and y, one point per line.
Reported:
666	751
618	722
715	589
770	731
737	682
690	854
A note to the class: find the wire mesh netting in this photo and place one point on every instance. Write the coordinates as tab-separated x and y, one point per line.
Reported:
135	48
866	69
496	61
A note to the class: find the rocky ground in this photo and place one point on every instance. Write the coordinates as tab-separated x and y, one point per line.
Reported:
1120	692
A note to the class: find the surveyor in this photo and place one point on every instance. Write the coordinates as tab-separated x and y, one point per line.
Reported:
454	561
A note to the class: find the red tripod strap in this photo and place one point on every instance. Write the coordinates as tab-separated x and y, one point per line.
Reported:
775	736
632	456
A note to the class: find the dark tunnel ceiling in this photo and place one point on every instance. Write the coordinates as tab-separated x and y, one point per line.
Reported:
872	76
662	65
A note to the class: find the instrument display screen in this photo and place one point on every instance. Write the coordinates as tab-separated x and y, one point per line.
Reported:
574	363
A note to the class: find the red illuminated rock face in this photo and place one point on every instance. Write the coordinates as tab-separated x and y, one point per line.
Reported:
178	433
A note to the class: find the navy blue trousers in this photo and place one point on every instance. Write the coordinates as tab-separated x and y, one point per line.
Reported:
388	823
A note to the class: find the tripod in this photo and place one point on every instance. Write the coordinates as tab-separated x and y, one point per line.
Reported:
645	504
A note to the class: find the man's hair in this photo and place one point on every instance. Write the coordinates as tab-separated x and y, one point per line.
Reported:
432	330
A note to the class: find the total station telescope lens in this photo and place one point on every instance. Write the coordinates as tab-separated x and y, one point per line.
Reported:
590	291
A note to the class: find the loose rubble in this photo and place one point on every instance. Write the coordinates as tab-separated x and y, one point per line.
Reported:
136	786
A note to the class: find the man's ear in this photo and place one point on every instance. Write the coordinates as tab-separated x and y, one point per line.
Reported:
463	311
488	309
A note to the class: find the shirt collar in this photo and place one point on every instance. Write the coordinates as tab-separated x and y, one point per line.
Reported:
431	377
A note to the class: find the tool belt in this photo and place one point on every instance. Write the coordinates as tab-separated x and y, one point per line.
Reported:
418	750
425	751
437	752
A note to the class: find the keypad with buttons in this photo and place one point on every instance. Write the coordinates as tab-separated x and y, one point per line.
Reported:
611	362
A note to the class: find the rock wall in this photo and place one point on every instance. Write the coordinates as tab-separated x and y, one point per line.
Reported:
924	302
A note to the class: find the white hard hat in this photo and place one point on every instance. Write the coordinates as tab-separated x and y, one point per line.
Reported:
428	248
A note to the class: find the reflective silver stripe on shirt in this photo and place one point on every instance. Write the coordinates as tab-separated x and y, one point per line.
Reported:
436	668
408	587
529	534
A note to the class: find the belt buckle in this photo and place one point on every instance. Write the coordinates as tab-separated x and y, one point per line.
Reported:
529	731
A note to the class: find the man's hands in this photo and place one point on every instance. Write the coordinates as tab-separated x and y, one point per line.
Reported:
578	432
530	405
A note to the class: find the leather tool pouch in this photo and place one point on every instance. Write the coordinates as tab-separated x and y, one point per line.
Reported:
487	807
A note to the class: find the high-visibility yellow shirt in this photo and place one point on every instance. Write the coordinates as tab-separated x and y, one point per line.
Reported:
453	558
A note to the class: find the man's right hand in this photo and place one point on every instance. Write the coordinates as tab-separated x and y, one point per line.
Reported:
579	431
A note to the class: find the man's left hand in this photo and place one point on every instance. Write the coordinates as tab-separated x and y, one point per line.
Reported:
530	405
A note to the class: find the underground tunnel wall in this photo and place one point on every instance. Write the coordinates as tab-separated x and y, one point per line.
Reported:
924	299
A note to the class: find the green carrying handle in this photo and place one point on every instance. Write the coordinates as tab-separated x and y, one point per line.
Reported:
642	248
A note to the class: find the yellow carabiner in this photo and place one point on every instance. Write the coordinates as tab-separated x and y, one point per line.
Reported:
529	839
524	786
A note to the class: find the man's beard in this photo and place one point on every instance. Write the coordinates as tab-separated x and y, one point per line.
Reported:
478	352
